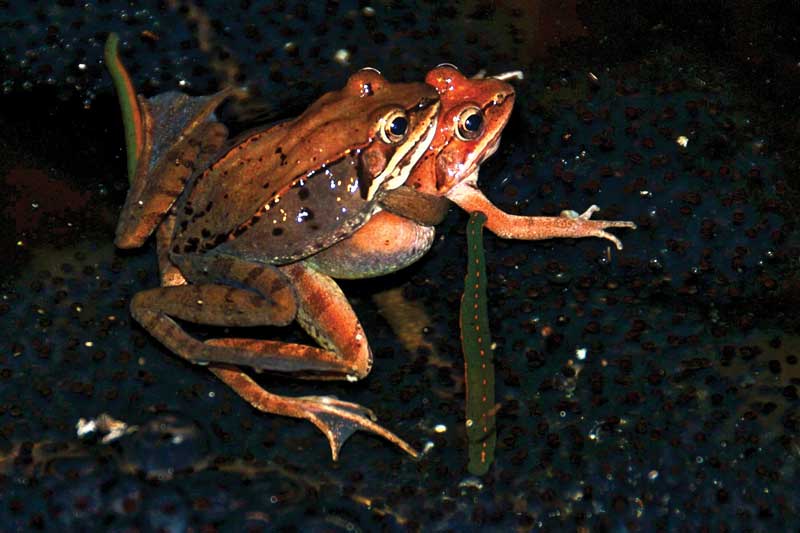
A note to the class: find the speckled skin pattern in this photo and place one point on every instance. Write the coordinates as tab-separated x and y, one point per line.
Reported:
652	388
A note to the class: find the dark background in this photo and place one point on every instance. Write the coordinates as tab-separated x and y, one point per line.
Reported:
684	413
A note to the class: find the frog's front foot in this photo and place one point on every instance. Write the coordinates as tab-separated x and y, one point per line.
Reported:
594	228
569	225
337	419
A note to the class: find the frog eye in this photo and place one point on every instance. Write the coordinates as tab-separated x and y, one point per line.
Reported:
394	127
469	124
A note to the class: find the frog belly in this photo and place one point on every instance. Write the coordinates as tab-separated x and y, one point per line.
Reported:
385	244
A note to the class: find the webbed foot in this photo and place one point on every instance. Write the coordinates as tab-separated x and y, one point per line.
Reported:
337	419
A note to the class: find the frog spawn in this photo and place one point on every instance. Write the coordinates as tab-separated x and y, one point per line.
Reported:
541	425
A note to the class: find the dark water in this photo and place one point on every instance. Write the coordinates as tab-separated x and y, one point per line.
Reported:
664	396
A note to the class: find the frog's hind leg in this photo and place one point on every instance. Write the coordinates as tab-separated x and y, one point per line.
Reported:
335	418
167	138
270	298
223	305
324	312
180	137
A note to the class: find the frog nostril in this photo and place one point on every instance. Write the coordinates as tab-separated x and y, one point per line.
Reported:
502	97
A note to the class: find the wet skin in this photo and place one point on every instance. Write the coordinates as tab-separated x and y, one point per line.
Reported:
236	223
472	116
253	234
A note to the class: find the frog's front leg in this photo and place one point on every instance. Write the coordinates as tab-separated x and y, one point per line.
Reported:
169	273
269	297
467	196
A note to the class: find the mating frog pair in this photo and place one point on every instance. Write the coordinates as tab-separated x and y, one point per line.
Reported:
253	231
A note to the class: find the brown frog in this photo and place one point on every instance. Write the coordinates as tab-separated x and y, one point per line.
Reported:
237	223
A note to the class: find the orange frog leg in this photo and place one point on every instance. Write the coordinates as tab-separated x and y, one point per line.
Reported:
270	296
467	196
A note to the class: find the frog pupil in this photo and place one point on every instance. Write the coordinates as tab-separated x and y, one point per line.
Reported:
473	122
399	126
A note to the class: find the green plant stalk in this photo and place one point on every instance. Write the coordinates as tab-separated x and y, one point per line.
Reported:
131	116
476	344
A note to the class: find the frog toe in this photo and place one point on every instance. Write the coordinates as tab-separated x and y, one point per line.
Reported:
338	420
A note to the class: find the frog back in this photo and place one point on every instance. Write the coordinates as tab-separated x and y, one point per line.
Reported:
281	193
242	206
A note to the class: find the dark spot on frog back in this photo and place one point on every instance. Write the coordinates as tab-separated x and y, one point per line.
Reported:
191	245
279	151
